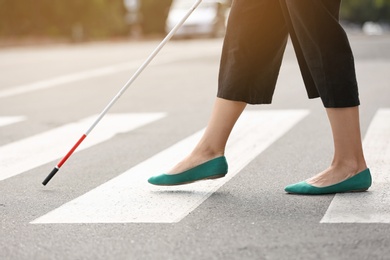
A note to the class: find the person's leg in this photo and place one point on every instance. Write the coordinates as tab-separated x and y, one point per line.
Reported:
212	144
251	57
348	157
252	54
323	49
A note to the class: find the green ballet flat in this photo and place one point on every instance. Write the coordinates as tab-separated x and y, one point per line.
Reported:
360	182
213	169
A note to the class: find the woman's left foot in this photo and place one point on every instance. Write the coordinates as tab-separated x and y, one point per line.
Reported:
322	184
333	175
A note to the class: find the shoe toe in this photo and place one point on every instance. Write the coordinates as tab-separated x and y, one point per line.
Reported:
300	187
154	180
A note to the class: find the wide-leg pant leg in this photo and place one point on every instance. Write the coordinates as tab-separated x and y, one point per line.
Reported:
253	50
256	39
323	50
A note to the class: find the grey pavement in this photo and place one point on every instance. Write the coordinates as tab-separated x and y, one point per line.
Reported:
249	217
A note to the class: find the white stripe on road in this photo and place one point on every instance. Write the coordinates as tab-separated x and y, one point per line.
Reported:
34	151
57	81
372	206
8	120
73	77
128	198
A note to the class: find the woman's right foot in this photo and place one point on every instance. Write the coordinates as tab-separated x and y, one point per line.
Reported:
211	169
192	161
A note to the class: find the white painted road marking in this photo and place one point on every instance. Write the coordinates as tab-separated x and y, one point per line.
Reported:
87	74
34	151
128	198
60	80
8	120
372	206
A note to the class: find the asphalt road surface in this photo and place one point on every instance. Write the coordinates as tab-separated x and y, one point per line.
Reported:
99	205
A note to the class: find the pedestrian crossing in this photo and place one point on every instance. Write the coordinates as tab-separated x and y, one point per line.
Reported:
26	154
128	198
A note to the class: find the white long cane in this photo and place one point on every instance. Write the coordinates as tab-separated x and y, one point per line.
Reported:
123	89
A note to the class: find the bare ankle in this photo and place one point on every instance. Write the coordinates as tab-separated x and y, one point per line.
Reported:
350	165
197	157
207	152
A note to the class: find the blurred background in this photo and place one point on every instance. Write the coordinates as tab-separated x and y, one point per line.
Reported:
86	20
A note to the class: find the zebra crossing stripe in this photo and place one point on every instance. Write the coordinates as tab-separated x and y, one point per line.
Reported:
64	79
372	206
23	155
93	73
128	198
8	120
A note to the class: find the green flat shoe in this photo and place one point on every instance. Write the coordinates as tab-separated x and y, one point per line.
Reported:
360	182
213	169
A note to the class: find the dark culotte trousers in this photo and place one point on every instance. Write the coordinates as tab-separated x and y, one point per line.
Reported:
255	41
